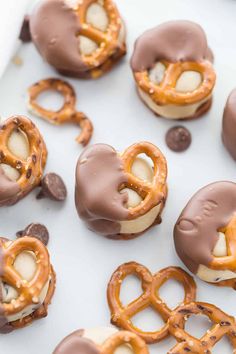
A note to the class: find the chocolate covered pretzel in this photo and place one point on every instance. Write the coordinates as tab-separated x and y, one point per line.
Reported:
172	67
120	195
205	234
27	282
79	38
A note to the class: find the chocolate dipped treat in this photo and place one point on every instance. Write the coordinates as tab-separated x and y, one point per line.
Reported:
79	38
120	195
229	125
103	340
172	67
23	155
205	234
27	282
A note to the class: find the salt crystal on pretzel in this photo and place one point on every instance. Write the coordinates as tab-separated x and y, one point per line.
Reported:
79	38
66	114
23	156
121	315
205	234
172	67
103	340
27	282
121	195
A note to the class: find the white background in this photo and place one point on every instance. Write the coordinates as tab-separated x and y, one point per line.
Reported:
83	260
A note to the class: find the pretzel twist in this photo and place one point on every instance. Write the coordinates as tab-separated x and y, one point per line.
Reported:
223	325
107	40
28	291
121	315
67	113
30	169
166	93
153	192
124	337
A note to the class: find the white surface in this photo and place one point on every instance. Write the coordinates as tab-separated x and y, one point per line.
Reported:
83	260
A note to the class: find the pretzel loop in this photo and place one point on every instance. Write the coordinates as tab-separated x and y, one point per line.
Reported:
166	93
28	291
67	113
153	192
107	41
124	337
121	315
223	325
227	262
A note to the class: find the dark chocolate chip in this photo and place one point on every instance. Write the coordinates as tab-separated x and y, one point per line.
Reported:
38	231
178	138
25	35
53	188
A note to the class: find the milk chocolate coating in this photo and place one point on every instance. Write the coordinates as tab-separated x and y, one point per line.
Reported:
99	174
229	125
8	189
196	231
76	344
54	29
172	41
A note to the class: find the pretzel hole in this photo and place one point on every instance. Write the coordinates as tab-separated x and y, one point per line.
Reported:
198	325
223	346
157	73
10	172
220	249
97	17
188	81
18	144
167	290
131	289
51	100
8	293
147	320
86	45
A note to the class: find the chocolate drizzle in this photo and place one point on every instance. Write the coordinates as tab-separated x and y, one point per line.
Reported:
8	189
99	174
229	124
76	344
54	29
4	326
196	231
172	41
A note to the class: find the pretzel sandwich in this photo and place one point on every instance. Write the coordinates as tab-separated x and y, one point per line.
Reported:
121	315
27	282
121	195
67	113
20	172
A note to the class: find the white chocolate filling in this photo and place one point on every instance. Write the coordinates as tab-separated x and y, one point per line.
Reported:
25	265
143	170
101	334
18	145
214	276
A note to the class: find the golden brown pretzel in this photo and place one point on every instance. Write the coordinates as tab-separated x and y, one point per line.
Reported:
67	113
106	41
31	169
153	192
165	93
28	291
223	325
121	315
124	337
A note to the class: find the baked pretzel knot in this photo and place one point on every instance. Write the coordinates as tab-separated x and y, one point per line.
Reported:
124	337
121	315
108	50
30	169
223	325
28	291
67	113
153	192
166	93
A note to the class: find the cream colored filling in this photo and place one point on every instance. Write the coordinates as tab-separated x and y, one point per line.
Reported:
25	265
101	334
214	276
143	170
18	145
187	82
